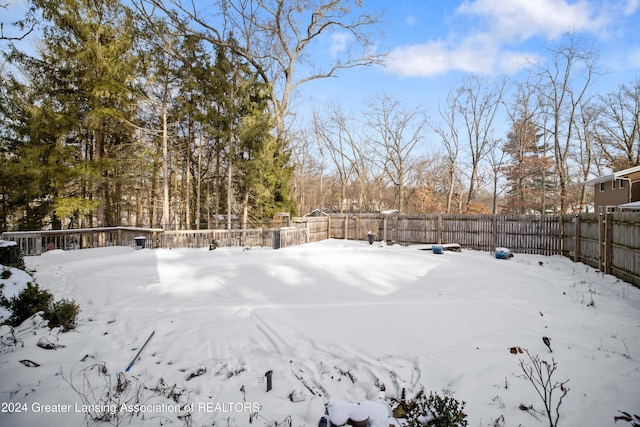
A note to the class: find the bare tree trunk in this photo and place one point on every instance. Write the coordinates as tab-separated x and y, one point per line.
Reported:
199	185
229	188
165	167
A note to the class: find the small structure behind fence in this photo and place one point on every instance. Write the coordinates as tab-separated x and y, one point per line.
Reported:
610	243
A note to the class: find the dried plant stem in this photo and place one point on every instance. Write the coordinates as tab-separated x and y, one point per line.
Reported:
539	373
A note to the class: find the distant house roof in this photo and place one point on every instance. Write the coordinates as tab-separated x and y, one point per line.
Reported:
317	212
612	176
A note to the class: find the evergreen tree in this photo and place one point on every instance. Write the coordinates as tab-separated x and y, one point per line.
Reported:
258	170
34	165
82	83
528	172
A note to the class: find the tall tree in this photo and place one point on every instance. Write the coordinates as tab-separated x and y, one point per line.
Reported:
84	77
525	167
619	126
478	102
396	131
337	136
34	164
565	80
585	156
449	134
274	36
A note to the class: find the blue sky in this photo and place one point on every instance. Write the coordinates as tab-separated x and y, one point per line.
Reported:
433	44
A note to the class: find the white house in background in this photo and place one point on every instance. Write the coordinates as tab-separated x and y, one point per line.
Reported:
619	191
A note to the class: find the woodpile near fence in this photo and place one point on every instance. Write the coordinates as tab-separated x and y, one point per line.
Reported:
610	243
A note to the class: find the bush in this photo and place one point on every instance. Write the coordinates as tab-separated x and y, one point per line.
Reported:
33	300
6	273
27	303
11	256
62	313
433	411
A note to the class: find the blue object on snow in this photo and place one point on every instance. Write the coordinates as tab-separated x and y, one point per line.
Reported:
503	253
437	249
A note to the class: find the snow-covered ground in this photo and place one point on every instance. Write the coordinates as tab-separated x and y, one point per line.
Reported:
336	319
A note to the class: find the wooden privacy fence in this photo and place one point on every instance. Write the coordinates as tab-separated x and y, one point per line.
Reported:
608	242
273	237
525	234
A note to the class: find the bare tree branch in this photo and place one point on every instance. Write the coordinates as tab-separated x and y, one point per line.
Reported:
274	38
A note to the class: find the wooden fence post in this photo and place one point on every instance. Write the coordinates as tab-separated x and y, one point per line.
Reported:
439	229
494	237
561	235
346	227
576	239
601	242
384	229
608	231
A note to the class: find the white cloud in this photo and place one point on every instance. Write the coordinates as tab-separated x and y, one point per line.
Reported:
491	30
631	7
339	43
410	20
522	19
436	58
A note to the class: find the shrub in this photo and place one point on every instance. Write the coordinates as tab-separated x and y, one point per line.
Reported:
27	303
433	411
32	300
4	302
62	313
6	273
11	256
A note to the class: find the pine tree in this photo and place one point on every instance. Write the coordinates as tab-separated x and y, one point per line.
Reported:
33	163
528	172
258	170
84	81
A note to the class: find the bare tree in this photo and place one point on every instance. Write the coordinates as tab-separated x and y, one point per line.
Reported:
345	147
619	126
396	132
478	102
431	187
450	138
308	181
565	80
585	155
496	158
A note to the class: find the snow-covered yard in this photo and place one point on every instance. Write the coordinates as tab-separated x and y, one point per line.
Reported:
336	319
